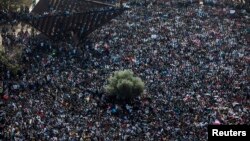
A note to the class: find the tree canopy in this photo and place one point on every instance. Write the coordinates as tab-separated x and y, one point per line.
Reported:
8	62
14	4
124	85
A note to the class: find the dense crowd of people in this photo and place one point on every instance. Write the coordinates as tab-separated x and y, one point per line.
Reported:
193	58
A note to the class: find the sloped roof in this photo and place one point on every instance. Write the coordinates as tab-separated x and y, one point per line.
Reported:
59	19
75	6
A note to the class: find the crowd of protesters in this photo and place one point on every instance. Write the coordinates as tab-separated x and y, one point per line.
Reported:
193	58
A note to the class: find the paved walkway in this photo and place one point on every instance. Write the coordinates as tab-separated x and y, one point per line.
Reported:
32	6
0	42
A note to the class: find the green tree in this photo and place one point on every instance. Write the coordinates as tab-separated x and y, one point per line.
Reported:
4	4
13	5
124	85
6	61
